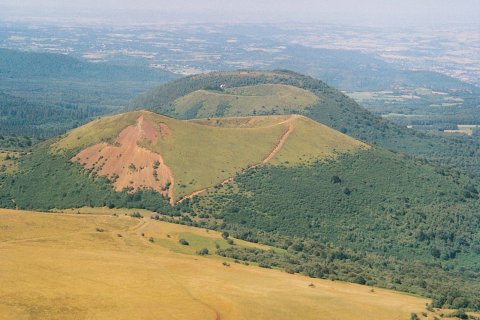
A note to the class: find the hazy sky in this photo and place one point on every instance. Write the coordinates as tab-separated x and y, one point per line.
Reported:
376	12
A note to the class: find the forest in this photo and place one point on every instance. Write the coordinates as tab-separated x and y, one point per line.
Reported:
43	95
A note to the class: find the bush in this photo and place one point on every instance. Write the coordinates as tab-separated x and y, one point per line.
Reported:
360	280
98	229
335	179
202	252
136	215
225	235
183	242
458	314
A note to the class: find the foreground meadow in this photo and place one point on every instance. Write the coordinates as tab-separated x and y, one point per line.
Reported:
81	265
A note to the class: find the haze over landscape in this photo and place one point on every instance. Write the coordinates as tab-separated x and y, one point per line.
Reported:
240	159
369	12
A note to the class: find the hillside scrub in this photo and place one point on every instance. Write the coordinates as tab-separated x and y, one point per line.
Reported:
424	216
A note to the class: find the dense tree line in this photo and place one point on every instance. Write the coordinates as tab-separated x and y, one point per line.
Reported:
40	120
14	142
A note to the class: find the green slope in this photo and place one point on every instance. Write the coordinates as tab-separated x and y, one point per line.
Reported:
338	208
422	222
333	109
204	153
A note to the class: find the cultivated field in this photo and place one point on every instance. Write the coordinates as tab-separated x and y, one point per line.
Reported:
89	266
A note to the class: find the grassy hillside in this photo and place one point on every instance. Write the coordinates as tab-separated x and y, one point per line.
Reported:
337	208
248	100
81	266
204	153
333	109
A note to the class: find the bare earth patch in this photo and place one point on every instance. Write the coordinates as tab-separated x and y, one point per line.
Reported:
164	130
127	164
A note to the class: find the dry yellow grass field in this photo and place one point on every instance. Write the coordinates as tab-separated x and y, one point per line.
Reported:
58	266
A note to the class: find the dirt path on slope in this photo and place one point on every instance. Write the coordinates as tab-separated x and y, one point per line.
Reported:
269	157
279	145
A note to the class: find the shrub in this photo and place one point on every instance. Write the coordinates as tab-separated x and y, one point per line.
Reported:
335	179
136	215
289	270
202	252
458	314
225	235
360	280
183	242
98	229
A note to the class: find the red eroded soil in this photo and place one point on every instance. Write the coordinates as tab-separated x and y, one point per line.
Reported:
164	130
127	164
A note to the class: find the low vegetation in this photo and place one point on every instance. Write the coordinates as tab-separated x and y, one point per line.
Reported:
419	222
